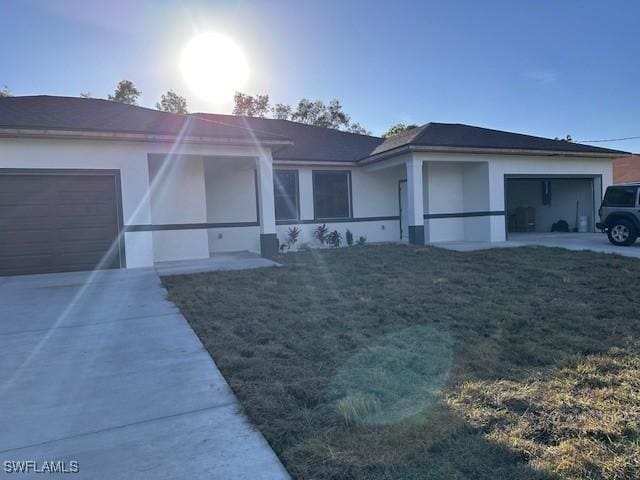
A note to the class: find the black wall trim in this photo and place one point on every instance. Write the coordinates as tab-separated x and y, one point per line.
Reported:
337	220
494	213
187	226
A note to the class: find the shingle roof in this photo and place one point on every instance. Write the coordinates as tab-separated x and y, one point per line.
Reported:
310	143
456	135
43	112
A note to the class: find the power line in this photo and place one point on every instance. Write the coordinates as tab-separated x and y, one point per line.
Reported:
609	140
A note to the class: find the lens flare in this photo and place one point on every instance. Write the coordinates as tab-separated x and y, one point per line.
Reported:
214	67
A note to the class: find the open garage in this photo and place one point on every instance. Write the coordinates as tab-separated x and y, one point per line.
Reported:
552	203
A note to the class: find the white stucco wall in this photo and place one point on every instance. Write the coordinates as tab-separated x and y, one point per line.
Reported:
131	159
178	196
374	194
204	190
231	198
477	170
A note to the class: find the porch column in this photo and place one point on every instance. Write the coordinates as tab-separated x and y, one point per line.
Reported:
415	209
266	207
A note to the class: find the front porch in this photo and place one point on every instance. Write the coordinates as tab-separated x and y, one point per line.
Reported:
446	201
217	262
203	206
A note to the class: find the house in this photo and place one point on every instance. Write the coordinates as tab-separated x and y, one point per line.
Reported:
88	183
626	169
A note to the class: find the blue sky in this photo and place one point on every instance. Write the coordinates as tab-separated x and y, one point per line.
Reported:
547	68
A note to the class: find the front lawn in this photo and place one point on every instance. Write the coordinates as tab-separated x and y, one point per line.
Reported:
394	362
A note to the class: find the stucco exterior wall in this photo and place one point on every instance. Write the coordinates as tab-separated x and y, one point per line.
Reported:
178	196
132	160
374	200
216	184
480	169
231	198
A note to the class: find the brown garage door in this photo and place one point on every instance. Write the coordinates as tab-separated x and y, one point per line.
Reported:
57	222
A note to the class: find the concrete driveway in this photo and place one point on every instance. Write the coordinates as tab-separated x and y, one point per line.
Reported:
102	370
596	242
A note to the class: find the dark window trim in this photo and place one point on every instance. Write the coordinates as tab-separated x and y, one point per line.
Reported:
349	195
297	177
122	254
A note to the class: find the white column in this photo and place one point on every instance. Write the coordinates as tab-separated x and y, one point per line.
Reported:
266	206
264	167
415	199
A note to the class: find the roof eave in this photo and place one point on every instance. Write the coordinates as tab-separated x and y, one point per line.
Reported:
498	151
140	137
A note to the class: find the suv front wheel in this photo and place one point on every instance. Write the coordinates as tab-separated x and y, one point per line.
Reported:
622	233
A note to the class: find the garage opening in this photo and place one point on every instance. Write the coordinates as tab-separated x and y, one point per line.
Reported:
56	221
551	204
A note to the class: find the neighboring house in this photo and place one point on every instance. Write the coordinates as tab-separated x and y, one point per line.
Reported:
89	182
626	169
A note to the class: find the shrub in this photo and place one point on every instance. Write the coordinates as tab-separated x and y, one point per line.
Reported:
334	239
361	240
292	235
320	233
349	236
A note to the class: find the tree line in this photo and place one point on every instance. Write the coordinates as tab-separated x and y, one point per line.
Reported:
310	112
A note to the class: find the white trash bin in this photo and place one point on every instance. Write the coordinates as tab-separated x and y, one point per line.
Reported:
583	224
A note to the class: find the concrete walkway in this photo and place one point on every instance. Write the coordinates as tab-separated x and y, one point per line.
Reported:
101	369
596	242
217	262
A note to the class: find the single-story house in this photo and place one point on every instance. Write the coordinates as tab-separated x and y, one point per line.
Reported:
88	183
626	169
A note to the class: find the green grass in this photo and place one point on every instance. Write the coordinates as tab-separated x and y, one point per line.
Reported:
385	362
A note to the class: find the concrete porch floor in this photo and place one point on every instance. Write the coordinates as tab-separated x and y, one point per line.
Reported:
217	262
596	242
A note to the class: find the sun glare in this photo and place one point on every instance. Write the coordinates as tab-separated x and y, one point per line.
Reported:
214	67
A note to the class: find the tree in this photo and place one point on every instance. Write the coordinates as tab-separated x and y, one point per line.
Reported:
281	111
251	106
172	102
565	139
316	112
5	92
357	128
397	129
125	92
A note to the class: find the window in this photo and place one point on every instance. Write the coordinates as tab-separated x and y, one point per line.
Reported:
620	197
285	192
331	194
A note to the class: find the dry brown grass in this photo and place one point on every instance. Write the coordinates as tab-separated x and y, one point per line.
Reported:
581	421
388	362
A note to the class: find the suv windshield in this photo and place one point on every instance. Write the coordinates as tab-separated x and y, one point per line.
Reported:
620	197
